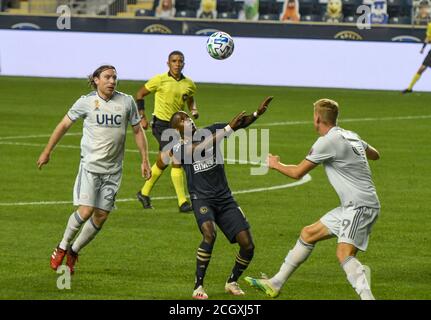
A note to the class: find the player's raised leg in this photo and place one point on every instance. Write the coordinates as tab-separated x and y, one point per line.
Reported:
296	256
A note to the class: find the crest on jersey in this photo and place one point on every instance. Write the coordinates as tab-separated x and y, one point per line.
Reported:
96	105
203	210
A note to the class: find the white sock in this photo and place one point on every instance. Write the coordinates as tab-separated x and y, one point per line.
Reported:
88	232
73	226
355	272
293	260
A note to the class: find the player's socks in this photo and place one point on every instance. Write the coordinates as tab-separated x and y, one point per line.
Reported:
414	80
88	232
156	172
203	258
293	260
355	272
73	226
242	261
177	176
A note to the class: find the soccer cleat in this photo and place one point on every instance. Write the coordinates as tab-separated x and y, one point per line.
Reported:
233	288
185	207
57	258
199	293
145	200
407	91
263	285
72	258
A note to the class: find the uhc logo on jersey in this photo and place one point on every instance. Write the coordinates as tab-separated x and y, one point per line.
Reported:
108	120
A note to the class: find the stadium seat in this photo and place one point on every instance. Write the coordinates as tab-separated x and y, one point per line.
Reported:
194	4
270	17
181	5
307	7
400	20
238	5
268	7
280	5
225	5
185	14
394	7
311	18
406	8
350	7
144	13
227	15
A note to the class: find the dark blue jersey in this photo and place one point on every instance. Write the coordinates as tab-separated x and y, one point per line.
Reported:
205	174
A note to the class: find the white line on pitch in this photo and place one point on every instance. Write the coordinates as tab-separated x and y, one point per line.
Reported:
291	123
286	123
25	144
305	179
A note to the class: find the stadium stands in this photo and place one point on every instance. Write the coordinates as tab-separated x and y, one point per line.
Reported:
399	11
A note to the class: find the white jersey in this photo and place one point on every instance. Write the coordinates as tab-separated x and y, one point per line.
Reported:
104	131
343	156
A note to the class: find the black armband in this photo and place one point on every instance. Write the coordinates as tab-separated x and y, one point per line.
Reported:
141	104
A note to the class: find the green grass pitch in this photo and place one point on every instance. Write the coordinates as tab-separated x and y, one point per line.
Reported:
151	254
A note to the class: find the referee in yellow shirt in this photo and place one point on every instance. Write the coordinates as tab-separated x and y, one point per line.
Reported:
425	64
173	91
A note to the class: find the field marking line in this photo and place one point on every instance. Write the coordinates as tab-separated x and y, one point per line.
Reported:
39	136
291	123
305	179
25	144
286	123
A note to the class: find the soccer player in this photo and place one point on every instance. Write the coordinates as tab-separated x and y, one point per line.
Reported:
106	114
344	156
199	153
426	63
173	91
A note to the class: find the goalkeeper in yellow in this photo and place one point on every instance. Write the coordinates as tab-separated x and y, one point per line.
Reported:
425	64
173	91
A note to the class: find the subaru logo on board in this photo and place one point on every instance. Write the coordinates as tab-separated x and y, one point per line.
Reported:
406	38
25	26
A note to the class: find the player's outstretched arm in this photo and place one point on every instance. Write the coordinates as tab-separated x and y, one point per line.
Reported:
248	120
290	170
58	133
209	141
372	153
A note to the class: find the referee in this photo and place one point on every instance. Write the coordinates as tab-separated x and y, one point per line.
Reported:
426	63
173	91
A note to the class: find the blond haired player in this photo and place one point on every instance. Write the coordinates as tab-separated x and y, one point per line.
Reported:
344	156
426	63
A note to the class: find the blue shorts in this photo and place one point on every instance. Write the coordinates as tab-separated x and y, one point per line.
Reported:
226	213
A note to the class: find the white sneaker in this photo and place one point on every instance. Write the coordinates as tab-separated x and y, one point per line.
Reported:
199	293
233	288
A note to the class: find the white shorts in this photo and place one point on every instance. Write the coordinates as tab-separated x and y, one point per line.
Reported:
351	225
96	190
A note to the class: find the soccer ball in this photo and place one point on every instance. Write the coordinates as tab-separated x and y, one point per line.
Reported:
220	45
